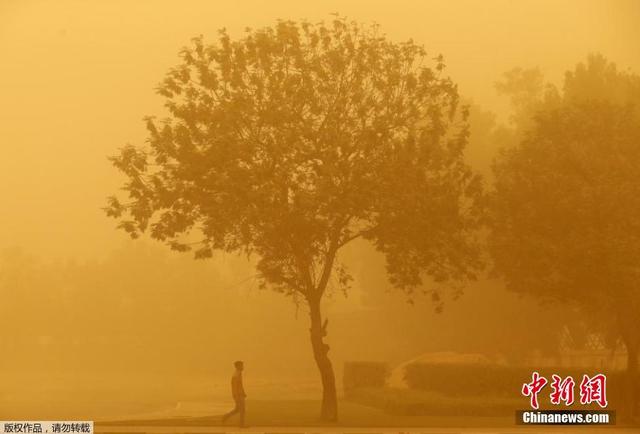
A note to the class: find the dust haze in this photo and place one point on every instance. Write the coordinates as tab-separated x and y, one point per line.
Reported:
96	325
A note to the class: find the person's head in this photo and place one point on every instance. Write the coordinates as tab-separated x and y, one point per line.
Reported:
239	365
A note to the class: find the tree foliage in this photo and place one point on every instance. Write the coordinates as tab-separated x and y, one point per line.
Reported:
294	140
567	199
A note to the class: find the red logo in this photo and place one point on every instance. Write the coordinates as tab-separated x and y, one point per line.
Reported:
532	389
592	389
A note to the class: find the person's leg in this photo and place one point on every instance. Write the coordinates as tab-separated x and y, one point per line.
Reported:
231	413
240	406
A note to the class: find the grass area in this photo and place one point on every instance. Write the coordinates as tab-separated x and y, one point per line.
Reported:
366	407
305	413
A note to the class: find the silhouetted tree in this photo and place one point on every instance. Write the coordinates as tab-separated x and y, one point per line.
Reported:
291	142
565	209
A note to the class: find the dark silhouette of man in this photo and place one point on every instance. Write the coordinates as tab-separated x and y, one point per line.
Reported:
237	391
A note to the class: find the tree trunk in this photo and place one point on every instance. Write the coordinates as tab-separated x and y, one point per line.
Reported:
329	407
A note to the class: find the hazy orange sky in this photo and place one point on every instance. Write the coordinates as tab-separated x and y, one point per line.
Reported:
78	76
76	80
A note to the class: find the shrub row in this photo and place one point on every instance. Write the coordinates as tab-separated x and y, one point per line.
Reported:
408	402
493	380
359	375
451	389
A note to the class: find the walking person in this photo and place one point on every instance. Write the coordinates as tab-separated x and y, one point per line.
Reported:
237	391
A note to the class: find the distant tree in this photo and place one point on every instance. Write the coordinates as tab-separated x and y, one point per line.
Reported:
599	79
566	206
293	141
486	137
528	93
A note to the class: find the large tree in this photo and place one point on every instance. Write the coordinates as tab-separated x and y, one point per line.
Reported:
294	140
566	207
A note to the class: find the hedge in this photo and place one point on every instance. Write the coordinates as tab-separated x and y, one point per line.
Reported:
488	380
407	402
364	375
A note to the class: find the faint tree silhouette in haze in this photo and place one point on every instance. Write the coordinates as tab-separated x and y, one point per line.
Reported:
295	140
565	209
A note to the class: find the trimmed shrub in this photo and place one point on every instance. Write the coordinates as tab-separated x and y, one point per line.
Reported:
466	380
364	375
494	392
496	380
406	402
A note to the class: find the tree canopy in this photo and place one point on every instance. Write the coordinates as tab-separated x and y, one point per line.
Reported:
566	206
294	140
